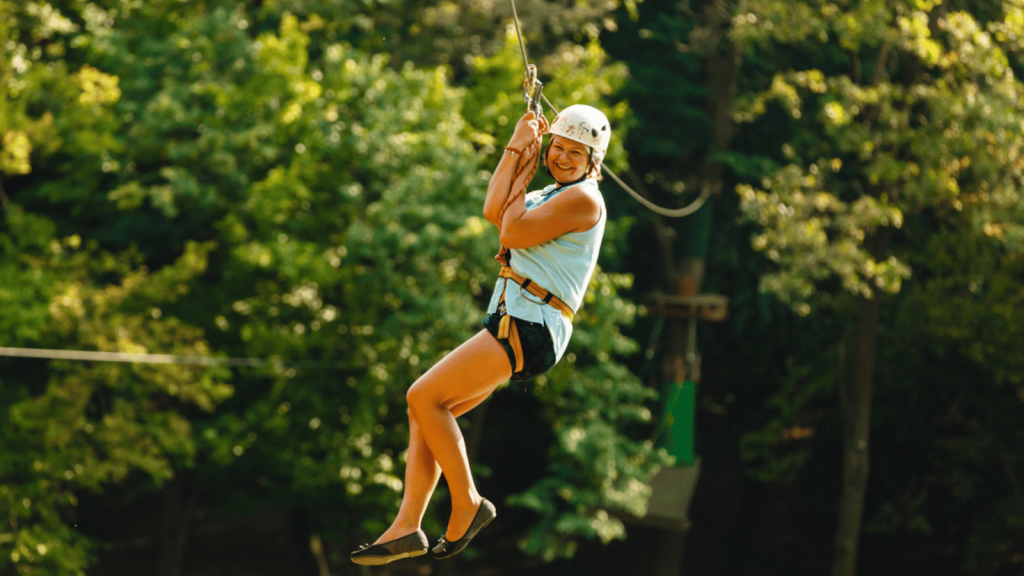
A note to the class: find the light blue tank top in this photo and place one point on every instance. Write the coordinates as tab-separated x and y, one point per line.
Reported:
562	265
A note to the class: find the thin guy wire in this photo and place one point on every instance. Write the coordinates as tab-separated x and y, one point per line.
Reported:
129	357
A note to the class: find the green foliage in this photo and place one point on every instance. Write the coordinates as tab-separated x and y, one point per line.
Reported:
444	32
43	106
82	426
344	208
295	198
942	132
778	451
898	151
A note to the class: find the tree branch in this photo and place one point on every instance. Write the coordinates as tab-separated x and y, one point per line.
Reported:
1018	494
5	202
883	57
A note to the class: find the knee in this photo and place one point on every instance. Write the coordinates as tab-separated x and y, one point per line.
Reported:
418	397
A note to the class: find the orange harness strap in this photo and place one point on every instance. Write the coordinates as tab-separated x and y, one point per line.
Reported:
538	291
507	329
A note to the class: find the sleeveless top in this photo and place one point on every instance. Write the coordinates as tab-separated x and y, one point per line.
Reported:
562	265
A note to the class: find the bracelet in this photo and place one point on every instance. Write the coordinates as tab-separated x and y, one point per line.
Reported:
513	151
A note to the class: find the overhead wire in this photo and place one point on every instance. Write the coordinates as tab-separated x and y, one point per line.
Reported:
519	34
180	360
50	354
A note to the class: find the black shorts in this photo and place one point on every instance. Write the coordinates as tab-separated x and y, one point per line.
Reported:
538	348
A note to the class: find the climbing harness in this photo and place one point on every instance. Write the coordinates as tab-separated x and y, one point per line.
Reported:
507	329
532	93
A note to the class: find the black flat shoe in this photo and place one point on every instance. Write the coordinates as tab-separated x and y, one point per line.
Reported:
410	546
484	514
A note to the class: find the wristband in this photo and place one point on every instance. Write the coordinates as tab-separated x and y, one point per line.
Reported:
513	151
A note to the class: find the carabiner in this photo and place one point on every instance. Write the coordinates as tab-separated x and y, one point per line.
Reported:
532	88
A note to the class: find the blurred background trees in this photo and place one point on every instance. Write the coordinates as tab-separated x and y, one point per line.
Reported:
301	182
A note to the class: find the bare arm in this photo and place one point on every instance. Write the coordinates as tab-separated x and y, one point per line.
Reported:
572	210
527	130
499	188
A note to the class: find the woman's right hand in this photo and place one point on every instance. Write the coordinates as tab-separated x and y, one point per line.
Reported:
528	129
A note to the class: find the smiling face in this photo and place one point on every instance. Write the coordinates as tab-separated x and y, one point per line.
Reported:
568	160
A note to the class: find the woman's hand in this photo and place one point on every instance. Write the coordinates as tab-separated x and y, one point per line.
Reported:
528	129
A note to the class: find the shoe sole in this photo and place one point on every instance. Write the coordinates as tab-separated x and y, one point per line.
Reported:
382	560
481	529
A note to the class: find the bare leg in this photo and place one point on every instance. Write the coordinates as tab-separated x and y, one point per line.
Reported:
421	476
473	369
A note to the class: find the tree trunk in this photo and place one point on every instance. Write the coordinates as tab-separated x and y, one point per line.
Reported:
857	431
181	497
308	546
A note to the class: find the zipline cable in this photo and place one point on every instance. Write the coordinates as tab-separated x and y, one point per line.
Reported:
519	34
532	92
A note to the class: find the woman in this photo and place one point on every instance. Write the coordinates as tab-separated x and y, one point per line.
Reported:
550	239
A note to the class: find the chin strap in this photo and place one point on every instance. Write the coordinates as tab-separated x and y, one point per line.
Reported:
562	185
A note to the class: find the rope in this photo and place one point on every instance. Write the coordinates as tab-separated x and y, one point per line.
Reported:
669	212
530	169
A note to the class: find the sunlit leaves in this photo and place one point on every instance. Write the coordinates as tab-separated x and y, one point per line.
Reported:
15	152
919	146
42	105
900	152
813	235
246	182
88	424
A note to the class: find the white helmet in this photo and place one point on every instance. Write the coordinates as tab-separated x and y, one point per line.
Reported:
586	125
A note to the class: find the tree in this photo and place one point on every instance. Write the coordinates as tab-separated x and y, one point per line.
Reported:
77	427
908	112
297	198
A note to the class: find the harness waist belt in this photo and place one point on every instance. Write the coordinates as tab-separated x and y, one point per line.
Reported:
507	329
538	291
